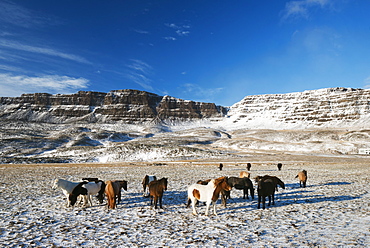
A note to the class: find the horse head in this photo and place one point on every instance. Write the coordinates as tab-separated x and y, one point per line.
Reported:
55	184
165	182
78	190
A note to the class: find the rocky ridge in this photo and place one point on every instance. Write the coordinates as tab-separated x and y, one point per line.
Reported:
130	125
127	106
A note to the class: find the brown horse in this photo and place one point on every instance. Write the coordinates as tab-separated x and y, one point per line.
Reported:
302	175
146	180
222	188
156	189
275	180
113	191
244	174
208	193
249	166
265	188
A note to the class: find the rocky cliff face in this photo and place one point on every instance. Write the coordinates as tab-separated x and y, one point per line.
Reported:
332	107
128	106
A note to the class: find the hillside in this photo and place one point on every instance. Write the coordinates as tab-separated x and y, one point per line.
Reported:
130	125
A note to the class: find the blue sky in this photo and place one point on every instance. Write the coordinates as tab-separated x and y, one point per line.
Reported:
212	51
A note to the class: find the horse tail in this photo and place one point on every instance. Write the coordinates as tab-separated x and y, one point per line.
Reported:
188	203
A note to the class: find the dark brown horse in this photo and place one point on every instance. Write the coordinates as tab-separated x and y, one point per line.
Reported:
266	188
242	184
249	166
302	175
156	189
275	179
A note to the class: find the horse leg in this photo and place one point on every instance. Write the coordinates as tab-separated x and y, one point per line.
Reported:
245	193
89	197
155	202
193	202
259	202
269	200
214	207
223	198
263	202
273	199
160	201
207	207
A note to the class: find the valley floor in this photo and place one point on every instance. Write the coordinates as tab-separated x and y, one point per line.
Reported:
332	211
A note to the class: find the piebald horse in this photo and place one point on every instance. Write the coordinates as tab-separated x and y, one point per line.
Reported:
87	189
207	193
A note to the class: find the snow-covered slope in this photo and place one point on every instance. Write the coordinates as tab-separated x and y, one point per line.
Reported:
330	108
327	121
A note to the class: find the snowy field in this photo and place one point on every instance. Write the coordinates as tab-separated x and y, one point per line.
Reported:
332	211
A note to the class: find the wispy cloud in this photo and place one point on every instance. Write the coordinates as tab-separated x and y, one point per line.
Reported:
180	30
15	85
41	50
367	83
301	8
203	94
140	72
15	14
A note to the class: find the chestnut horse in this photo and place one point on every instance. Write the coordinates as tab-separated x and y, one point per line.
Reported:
207	193
156	189
113	191
244	174
302	175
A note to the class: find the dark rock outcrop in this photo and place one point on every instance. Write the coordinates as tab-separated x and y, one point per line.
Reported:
128	106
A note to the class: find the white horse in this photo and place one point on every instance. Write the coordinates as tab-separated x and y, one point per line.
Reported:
204	193
66	186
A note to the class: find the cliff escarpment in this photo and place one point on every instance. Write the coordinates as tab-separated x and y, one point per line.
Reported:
127	106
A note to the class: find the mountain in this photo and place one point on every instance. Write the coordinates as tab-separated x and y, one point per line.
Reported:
125	106
131	125
331	108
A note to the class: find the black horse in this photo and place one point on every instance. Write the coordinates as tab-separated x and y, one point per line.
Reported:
241	184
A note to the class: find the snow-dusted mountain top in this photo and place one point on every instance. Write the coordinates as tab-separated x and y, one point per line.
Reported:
129	125
331	107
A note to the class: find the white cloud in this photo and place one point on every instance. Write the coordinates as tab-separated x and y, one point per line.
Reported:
15	85
300	8
42	50
180	30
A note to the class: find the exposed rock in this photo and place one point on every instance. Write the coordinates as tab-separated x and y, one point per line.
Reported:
128	106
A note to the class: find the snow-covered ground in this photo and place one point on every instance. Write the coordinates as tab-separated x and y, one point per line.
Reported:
332	211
